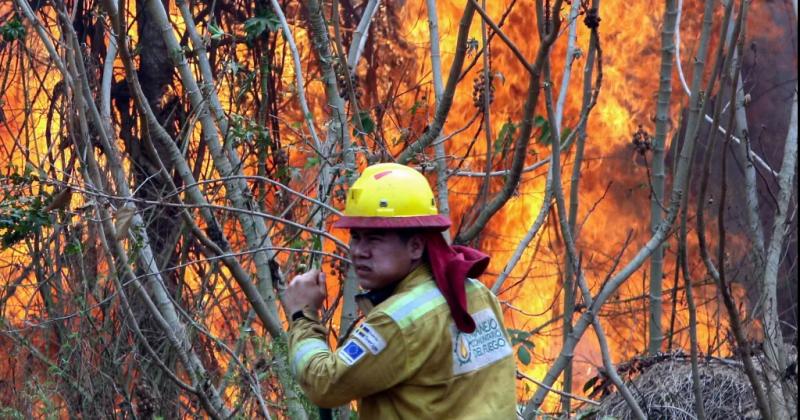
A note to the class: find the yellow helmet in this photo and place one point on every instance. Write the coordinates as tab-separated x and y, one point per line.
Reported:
391	196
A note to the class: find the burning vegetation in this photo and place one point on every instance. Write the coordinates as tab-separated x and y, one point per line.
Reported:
629	166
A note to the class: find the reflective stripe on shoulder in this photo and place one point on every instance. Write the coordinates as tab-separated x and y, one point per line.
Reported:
305	350
414	304
473	284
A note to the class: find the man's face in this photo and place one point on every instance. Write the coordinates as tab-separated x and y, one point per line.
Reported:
382	257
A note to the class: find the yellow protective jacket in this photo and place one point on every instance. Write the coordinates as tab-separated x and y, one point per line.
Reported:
407	360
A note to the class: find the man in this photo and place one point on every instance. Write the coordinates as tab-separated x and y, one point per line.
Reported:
432	343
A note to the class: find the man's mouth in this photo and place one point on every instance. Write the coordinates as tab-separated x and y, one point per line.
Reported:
363	268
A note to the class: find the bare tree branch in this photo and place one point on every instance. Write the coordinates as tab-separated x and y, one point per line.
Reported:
438	89
446	101
361	33
659	176
521	143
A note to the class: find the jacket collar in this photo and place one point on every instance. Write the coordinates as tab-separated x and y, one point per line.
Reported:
372	298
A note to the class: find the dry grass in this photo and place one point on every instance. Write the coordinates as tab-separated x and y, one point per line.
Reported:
662	385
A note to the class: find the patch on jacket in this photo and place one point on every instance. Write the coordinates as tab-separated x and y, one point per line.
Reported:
370	338
486	345
351	352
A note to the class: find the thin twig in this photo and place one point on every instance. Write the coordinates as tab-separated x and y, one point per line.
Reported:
97	193
753	155
521	143
534	229
361	33
443	107
504	37
556	391
442	190
298	72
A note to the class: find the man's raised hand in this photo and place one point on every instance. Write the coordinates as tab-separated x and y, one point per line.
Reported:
305	291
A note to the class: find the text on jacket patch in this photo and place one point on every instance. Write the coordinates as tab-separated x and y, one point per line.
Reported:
370	338
484	346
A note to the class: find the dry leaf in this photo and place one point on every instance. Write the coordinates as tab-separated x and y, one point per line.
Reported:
61	200
124	218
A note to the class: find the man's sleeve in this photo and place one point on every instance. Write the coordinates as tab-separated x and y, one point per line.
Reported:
371	360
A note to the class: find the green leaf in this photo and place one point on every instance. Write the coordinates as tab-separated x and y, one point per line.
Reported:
263	140
254	27
245	85
73	248
216	31
505	136
528	344
11	414
21	215
523	355
414	108
543	137
265	20
272	20
366	123
310	162
565	133
13	30
518	336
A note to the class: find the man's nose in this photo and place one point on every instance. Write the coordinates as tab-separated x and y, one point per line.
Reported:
359	249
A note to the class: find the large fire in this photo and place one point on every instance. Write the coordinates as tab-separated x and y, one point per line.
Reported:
613	218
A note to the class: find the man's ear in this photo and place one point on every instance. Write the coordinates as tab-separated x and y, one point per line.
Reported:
416	247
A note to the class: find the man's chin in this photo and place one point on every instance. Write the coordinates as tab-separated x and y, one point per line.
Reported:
365	284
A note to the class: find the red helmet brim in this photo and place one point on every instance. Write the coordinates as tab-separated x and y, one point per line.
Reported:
435	222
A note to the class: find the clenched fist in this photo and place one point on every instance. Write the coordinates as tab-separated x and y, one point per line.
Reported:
306	291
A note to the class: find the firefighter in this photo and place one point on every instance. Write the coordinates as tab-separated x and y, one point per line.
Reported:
432	342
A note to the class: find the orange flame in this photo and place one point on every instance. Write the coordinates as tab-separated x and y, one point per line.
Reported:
614	194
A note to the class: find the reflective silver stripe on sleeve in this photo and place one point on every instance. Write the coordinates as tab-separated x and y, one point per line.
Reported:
305	350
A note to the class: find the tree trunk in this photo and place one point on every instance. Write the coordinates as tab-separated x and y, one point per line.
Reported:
657	194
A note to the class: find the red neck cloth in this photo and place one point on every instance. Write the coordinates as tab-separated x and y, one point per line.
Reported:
451	265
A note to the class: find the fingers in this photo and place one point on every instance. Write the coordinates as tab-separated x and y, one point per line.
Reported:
311	279
307	277
307	290
321	284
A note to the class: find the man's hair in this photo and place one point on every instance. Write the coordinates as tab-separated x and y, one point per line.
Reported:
406	234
